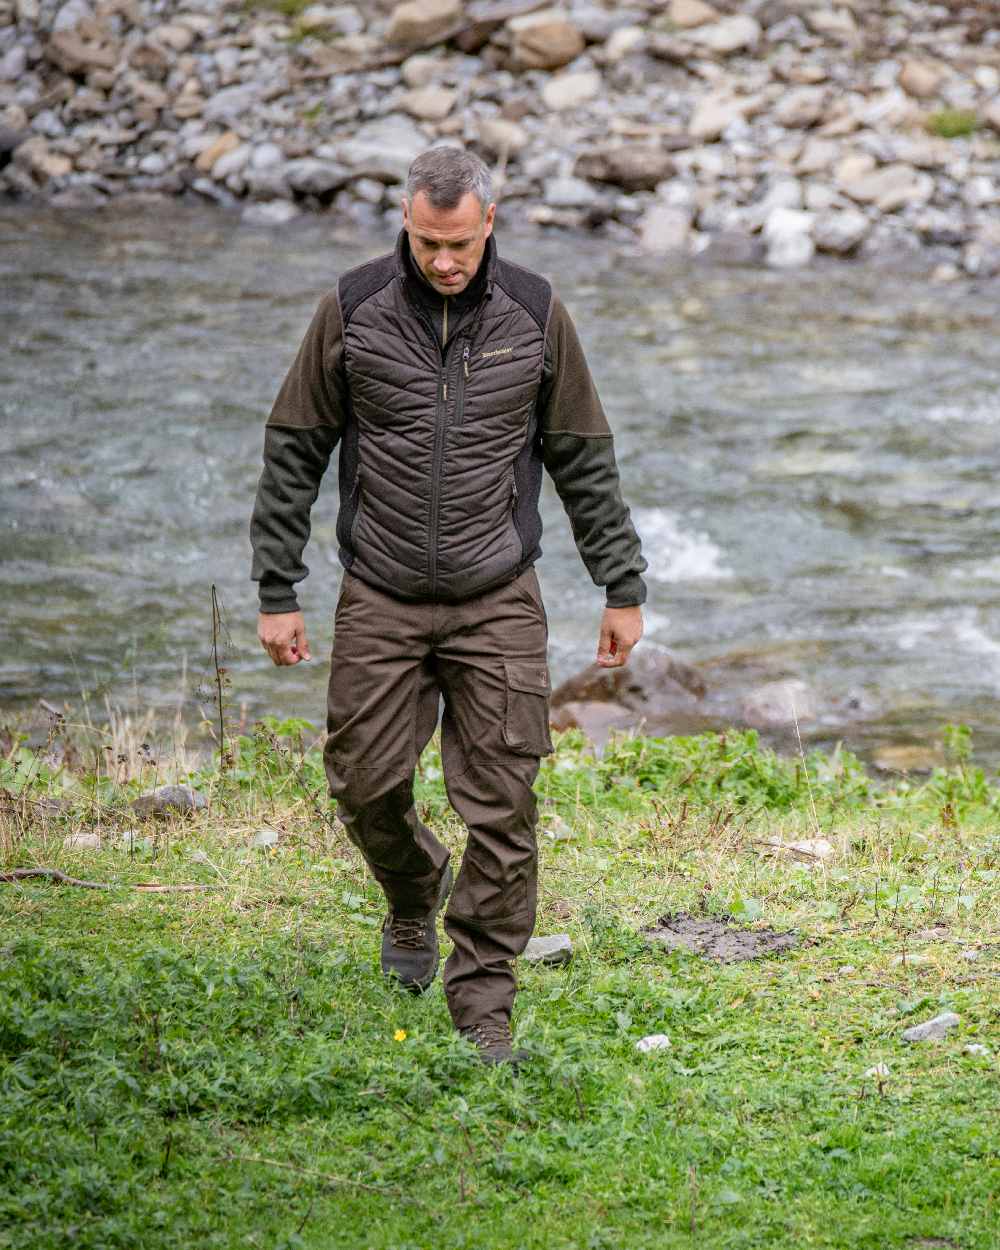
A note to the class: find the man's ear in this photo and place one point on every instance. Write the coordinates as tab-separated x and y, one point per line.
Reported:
406	213
491	212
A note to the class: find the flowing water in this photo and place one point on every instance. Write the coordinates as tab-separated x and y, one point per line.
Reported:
811	458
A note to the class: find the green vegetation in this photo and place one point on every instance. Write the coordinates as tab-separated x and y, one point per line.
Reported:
225	1067
952	123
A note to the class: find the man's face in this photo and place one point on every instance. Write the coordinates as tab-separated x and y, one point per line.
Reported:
447	243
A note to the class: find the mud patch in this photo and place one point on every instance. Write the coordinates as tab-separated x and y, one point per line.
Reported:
718	937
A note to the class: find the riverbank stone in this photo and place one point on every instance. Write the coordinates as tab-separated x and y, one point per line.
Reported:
553	950
932	1030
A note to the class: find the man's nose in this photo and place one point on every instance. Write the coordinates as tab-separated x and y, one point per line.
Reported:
443	262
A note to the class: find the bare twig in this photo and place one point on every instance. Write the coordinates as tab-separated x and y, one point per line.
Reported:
329	1177
60	878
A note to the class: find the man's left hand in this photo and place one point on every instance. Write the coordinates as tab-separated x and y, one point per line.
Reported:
621	629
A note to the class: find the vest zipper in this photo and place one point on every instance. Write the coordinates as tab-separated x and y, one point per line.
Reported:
436	466
463	377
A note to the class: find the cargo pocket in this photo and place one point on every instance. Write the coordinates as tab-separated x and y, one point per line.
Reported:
526	722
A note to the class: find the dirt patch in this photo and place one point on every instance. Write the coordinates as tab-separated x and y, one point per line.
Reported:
718	937
933	1243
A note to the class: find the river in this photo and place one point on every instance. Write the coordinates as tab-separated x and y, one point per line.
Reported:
811	459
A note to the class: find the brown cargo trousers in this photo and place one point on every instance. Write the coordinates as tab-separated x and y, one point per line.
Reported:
392	661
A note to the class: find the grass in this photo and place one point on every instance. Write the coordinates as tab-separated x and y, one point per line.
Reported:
226	1068
952	123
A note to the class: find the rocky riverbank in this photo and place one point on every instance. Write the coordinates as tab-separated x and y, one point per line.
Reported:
770	129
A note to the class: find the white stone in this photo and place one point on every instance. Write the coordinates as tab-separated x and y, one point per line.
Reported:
233	162
154	163
665	228
266	156
570	90
431	104
265	838
716	112
890	188
82	842
499	136
841	231
835	23
788	236
880	1070
932	1030
686	14
817	155
623	42
728	35
976	1048
421	69
655	1041
272	213
800	107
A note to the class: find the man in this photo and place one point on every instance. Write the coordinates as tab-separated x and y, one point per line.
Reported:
449	377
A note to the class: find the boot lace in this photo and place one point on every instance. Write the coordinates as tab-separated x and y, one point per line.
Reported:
491	1033
408	932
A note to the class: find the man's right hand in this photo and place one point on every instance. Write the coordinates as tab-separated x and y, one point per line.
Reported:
283	636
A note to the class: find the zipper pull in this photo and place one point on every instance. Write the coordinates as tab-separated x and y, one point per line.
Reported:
446	392
465	360
513	487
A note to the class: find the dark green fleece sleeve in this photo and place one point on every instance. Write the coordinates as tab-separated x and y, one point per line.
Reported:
303	429
578	452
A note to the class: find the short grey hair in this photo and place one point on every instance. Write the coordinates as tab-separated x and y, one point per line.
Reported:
445	174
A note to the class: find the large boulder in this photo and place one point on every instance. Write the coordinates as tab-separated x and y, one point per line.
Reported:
423	23
631	166
546	40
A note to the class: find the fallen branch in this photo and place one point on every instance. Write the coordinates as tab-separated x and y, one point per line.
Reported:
329	1177
60	878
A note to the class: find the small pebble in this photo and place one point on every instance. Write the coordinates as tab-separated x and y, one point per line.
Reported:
976	1048
655	1041
879	1070
82	842
264	838
971	955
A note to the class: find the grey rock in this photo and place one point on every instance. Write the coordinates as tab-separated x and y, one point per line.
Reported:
552	950
339	19
841	232
732	247
47	123
569	193
976	1048
891	187
654	1041
14	63
266	156
383	149
932	1030
309	176
71	14
546	40
232	104
265	838
430	103
780	703
168	800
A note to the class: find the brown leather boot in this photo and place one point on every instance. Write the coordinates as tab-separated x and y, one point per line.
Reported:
410	943
494	1044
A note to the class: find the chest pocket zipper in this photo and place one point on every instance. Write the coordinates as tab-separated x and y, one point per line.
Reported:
463	377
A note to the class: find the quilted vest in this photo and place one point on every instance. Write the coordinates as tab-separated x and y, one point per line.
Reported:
440	464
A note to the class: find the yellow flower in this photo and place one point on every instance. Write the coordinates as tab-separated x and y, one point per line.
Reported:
399	1035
